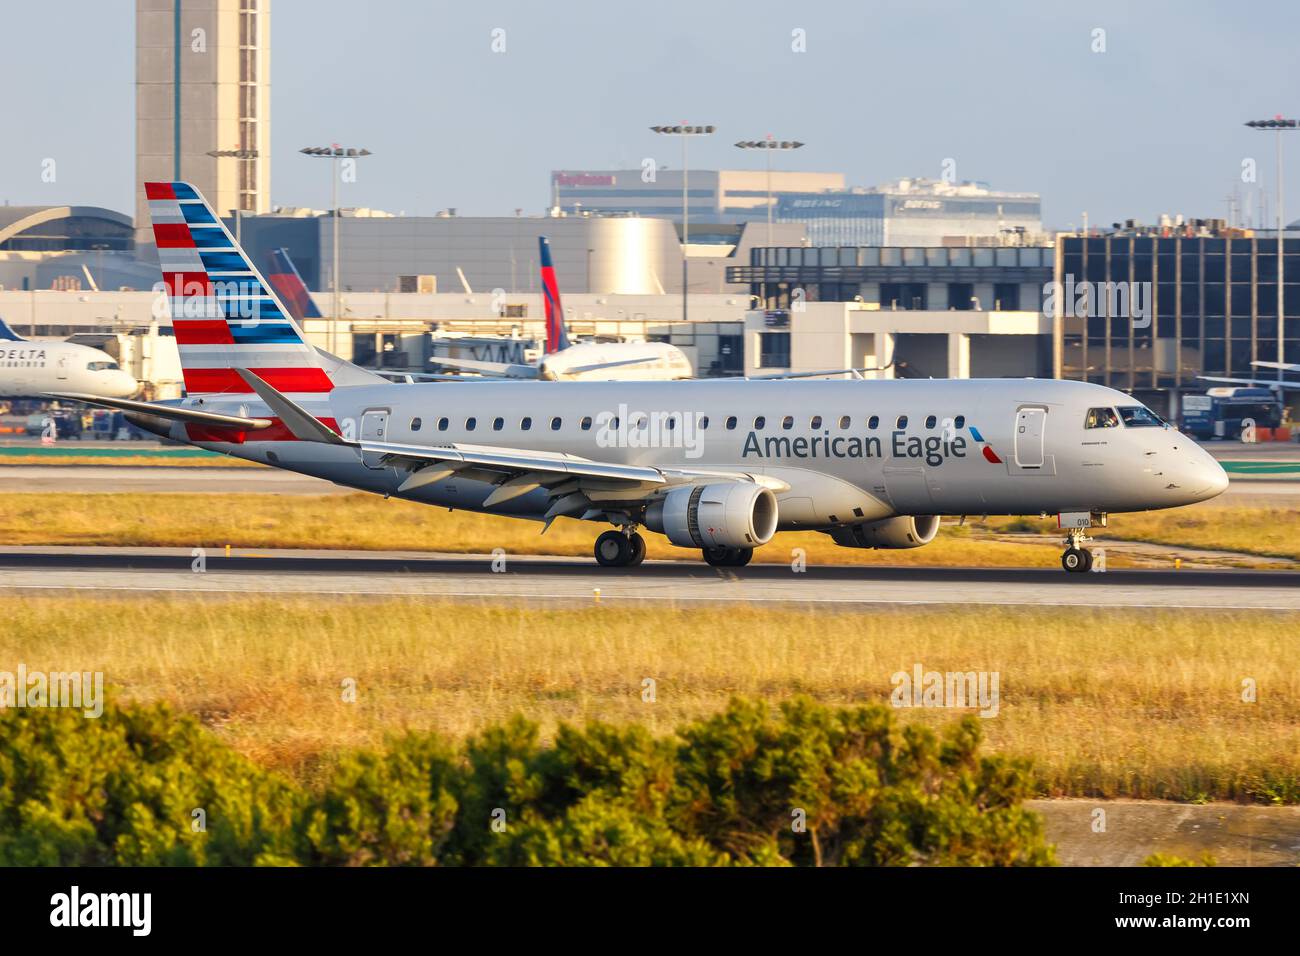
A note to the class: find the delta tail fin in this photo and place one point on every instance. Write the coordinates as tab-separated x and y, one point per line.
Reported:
9	335
557	337
288	283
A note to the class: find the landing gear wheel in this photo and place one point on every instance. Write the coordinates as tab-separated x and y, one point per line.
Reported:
638	549
728	557
614	550
1078	560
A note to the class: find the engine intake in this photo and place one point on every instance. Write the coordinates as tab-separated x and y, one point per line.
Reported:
732	514
905	531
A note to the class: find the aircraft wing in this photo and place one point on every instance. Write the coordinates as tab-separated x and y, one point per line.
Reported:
855	372
577	486
1284	366
1259	382
597	366
175	413
500	369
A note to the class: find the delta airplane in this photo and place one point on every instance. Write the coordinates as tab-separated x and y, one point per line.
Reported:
29	369
586	361
719	466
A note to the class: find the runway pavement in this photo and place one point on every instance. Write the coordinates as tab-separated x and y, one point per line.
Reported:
570	580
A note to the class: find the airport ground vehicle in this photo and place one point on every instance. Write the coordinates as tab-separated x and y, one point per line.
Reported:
1224	412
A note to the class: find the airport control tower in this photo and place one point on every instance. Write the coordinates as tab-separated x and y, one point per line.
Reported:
202	86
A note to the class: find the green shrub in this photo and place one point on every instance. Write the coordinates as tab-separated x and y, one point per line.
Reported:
810	785
122	789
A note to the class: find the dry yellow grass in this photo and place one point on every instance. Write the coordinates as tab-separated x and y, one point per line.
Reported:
369	522
1268	532
132	461
1134	703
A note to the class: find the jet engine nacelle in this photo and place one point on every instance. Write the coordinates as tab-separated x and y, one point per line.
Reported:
905	531
730	514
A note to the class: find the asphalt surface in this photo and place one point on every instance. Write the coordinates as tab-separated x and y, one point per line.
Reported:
573	580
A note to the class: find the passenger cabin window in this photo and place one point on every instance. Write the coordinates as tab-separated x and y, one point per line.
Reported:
759	423
1101	418
902	422
873	421
930	421
845	421
586	423
731	422
525	424
415	424
443	424
787	422
816	422
555	423
498	424
470	423
671	423
959	421
1139	416
704	422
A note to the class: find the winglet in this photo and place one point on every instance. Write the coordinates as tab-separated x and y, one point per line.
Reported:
301	423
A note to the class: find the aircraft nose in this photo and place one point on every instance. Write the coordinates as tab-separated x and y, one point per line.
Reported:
1210	478
122	385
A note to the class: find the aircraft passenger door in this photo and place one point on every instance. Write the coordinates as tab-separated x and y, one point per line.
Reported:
374	427
1029	437
61	368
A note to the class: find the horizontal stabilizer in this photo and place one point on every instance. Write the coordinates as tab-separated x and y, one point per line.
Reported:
175	413
301	423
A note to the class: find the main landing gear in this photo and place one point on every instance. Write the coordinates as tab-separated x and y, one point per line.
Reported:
620	549
728	557
1075	558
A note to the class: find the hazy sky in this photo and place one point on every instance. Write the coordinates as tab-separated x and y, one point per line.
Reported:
1012	91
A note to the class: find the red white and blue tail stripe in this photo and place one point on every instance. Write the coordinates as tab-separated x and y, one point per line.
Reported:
557	338
225	314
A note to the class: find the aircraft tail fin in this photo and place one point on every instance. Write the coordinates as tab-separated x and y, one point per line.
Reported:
557	337
9	335
225	314
288	283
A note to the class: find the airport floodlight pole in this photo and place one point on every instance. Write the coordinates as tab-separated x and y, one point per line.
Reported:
244	154
337	154
1278	124
685	132
768	144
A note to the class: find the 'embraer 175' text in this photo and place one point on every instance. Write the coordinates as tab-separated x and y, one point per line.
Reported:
934	450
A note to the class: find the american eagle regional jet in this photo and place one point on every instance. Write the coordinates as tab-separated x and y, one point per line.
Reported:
718	466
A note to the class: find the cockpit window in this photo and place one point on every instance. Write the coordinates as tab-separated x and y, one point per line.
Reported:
1138	416
1101	418
101	366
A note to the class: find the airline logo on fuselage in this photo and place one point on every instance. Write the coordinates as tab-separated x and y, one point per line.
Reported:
933	450
22	355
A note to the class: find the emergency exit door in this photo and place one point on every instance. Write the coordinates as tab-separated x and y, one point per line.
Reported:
1029	437
374	427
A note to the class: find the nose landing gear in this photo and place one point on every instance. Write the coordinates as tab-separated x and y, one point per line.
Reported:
1075	558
